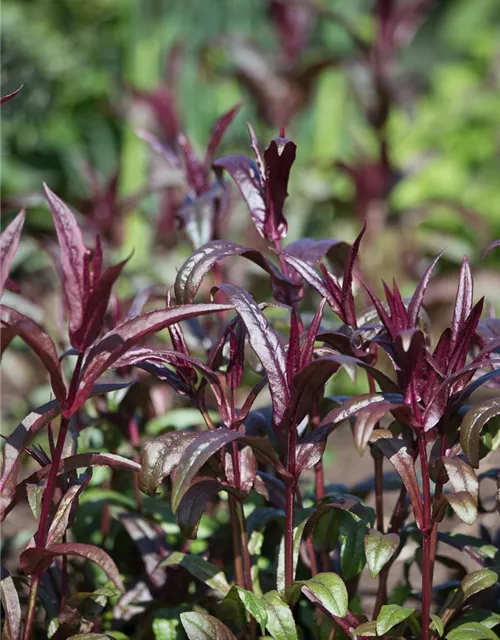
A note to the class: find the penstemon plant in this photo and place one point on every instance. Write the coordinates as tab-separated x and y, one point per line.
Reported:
299	551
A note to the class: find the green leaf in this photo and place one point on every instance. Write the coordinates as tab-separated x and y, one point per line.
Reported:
199	568
437	624
367	629
164	629
329	590
379	549
297	537
391	615
280	622
472	424
352	552
255	605
201	626
472	583
471	631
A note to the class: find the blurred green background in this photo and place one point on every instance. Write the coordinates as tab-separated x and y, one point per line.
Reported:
85	64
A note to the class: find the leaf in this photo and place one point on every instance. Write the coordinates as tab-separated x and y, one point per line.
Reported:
238	598
463	301
248	469
472	583
199	568
194	503
367	629
278	158
328	590
191	274
390	615
201	626
471	631
218	132
73	258
379	549
246	175
36	560
437	624
91	636
160	456
266	345
39	342
9	96
465	484
62	515
472	425
367	419
11	607
280	622
9	241
15	445
418	296
119	340
352	554
493	245
396	450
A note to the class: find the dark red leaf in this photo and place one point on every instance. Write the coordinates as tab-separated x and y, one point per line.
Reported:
465	338
418	296
64	511
11	607
106	351
312	332
41	343
194	503
73	259
310	275
217	134
36	560
265	343
463	301
95	308
249	181
9	241
347	301
279	158
492	246
9	96
192	272
195	172
367	419
160	456
293	352
396	450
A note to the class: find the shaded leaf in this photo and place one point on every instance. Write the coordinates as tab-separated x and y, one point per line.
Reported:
199	568
36	560
266	345
278	158
201	626
367	419
119	340
396	450
280	622
160	456
390	615
472	425
194	503
298	530
11	607
62	515
328	590
379	549
352	533
239	600
9	241
218	132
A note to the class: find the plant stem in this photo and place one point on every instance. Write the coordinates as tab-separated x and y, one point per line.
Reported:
426	534
394	527
378	461
31	612
238	559
291	486
247	565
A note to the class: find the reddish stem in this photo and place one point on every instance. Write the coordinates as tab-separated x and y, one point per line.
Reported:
426	533
291	486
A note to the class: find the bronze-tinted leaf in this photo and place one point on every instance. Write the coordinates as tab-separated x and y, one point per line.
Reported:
472	425
9	240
